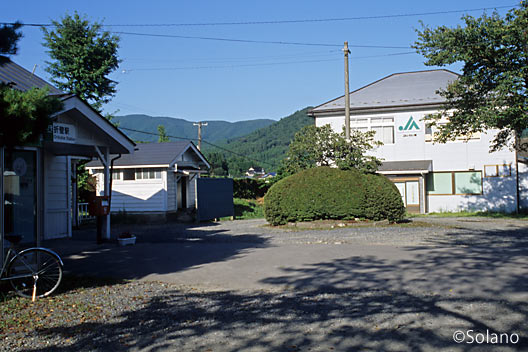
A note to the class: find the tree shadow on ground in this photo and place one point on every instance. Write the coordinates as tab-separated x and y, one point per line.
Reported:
472	280
162	249
463	261
332	319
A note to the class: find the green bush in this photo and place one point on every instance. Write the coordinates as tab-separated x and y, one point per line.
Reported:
329	193
249	188
382	199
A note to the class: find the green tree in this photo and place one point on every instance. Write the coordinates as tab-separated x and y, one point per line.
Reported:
320	146
162	135
9	36
491	93
219	166
24	116
83	55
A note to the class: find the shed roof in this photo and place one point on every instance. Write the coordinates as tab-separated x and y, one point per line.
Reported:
396	90
153	154
21	79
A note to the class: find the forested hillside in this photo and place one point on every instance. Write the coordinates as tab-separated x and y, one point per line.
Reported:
215	131
265	147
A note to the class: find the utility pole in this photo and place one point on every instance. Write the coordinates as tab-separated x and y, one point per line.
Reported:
200	124
347	95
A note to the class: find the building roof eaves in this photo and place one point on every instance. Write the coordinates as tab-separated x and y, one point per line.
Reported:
378	108
317	109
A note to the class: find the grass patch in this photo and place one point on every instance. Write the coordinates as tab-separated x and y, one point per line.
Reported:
66	305
247	209
468	214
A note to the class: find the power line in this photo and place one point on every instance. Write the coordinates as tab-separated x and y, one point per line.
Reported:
383	55
259	64
260	41
231	39
226	66
242	59
271	22
203	141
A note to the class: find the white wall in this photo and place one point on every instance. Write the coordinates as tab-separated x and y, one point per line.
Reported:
171	191
499	193
56	192
191	193
523	186
137	195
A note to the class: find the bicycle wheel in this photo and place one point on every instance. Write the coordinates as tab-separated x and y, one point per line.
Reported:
35	266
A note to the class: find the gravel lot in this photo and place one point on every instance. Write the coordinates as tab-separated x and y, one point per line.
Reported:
460	274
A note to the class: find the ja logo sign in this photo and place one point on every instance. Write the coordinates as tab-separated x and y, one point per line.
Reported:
410	126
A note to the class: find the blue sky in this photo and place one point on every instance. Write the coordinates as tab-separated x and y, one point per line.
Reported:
199	79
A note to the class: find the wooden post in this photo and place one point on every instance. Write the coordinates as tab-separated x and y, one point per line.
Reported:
200	124
347	95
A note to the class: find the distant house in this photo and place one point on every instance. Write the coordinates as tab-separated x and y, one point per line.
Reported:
255	172
158	178
269	175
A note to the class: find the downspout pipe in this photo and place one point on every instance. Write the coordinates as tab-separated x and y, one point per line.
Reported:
111	179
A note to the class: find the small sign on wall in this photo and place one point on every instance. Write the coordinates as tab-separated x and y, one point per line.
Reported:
63	132
410	128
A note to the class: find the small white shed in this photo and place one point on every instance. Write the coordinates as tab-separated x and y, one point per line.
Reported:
159	178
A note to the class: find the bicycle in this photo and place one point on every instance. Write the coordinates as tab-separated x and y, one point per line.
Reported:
33	272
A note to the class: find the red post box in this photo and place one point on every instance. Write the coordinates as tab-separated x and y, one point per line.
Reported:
99	206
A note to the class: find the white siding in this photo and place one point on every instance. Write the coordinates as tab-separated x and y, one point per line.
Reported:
191	193
523	185
139	196
56	188
499	193
171	191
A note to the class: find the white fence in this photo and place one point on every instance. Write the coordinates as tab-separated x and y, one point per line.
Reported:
82	213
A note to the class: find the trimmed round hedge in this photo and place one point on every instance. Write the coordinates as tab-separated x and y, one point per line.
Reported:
329	193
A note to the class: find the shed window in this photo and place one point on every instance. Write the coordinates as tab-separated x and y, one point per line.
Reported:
148	174
128	174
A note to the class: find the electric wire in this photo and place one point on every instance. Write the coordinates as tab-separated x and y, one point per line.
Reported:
272	22
238	40
128	70
203	141
227	66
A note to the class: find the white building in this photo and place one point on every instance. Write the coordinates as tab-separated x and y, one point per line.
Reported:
432	177
37	188
158	178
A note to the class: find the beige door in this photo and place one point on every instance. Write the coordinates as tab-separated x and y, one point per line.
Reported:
410	192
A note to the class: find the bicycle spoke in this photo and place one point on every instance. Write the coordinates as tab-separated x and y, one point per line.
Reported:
38	263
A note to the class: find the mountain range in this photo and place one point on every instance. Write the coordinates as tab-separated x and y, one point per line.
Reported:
267	146
236	146
144	128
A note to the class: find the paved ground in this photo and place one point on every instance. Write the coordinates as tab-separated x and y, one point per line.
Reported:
372	288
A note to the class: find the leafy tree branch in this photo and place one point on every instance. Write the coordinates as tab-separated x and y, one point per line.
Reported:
491	93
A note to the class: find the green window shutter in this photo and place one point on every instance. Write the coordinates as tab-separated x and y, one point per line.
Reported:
439	183
468	182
